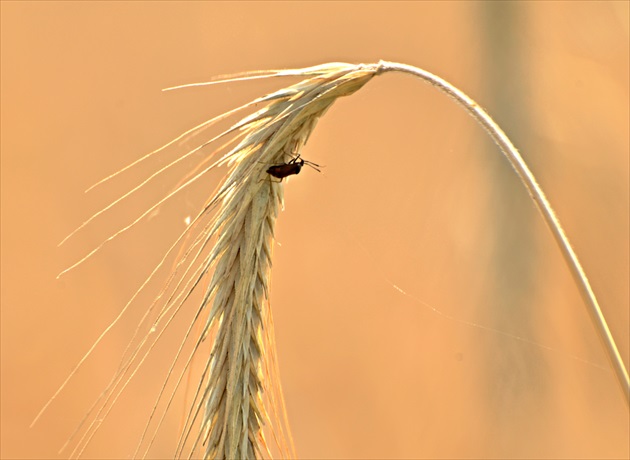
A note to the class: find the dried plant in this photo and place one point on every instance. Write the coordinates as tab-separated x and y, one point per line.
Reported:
239	392
237	374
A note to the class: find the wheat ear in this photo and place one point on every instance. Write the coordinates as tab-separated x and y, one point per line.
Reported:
242	357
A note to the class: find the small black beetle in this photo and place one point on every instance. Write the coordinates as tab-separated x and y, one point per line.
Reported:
292	167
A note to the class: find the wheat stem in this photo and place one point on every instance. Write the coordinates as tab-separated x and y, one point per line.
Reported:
530	183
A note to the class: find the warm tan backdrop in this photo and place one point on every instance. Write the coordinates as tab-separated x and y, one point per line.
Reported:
412	193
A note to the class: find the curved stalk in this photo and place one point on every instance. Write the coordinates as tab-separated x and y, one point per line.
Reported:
528	179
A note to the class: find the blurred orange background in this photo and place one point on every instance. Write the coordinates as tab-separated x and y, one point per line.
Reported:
489	354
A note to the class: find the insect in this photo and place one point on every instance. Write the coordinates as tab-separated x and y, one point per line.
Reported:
294	166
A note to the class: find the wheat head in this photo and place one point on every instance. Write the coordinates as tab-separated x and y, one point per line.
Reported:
241	364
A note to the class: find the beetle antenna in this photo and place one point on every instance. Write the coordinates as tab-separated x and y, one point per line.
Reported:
315	166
